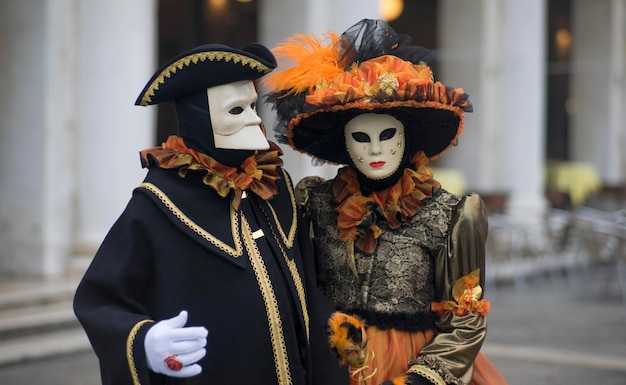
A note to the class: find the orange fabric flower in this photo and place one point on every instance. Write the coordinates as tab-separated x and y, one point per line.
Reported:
467	293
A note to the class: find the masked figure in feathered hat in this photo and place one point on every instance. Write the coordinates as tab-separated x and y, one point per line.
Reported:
394	248
209	242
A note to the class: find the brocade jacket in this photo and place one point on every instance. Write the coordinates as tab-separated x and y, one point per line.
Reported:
240	273
412	266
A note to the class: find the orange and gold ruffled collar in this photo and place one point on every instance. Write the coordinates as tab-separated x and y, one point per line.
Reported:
357	214
259	171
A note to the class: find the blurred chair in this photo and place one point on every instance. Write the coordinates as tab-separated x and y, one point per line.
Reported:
517	250
600	238
503	259
578	180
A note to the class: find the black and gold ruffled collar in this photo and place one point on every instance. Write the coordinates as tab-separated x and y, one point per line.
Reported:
258	173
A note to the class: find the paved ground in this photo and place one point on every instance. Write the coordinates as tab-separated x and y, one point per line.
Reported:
551	333
69	370
560	333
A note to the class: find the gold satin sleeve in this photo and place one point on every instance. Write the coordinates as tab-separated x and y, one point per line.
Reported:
302	192
303	188
459	338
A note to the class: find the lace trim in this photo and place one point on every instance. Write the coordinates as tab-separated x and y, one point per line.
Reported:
427	373
434	367
234	251
129	350
291	264
287	238
281	360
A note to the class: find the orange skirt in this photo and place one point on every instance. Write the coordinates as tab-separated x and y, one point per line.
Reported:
391	351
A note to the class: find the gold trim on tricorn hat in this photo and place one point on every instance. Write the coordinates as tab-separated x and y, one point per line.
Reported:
204	67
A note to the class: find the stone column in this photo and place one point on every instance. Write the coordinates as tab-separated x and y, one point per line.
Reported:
489	118
70	133
616	173
598	117
117	44
38	129
471	41
495	52
523	108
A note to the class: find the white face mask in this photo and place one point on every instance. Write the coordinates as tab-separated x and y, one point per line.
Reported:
375	144
235	122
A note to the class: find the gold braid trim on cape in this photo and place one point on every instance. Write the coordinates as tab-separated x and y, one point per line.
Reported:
357	222
259	171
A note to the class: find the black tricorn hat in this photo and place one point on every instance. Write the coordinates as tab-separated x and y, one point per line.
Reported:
204	67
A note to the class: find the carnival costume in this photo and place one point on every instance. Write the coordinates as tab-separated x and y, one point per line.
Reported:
398	252
212	231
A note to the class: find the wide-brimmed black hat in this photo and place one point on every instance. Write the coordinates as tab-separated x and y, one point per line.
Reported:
369	68
203	67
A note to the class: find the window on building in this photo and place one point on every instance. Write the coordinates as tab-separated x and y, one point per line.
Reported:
558	80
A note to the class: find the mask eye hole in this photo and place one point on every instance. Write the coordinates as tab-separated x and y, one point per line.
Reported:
253	106
235	111
387	134
361	137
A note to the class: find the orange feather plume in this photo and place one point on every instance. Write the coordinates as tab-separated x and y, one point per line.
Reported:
313	63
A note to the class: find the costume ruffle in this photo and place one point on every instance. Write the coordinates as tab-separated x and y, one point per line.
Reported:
258	173
358	214
383	79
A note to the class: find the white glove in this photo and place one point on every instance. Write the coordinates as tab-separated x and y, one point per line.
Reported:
170	337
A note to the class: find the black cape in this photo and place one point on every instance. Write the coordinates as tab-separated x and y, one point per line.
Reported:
180	246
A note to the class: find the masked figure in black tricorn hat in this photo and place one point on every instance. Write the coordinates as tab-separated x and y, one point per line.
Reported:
394	248
209	242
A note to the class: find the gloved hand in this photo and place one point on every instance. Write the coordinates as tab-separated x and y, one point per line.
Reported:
170	338
348	339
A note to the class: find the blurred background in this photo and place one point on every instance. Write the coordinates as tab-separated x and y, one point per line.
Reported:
545	145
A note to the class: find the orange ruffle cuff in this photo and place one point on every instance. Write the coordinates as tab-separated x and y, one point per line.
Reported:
259	172
467	293
357	214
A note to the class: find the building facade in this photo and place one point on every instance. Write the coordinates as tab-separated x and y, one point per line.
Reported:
71	70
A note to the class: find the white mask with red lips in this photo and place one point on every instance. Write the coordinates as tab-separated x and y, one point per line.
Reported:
375	144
